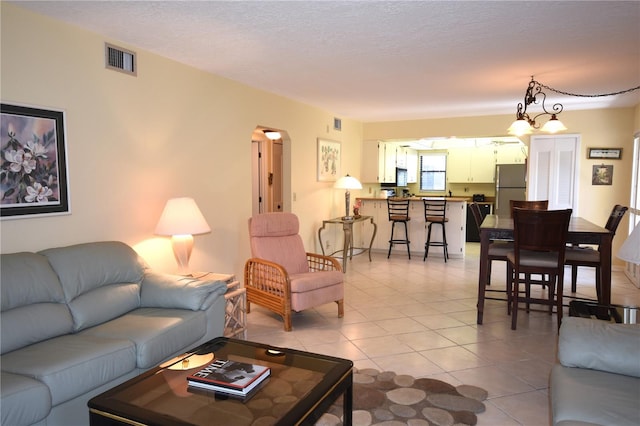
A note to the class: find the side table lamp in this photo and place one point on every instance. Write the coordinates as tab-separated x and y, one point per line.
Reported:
181	219
630	250
347	182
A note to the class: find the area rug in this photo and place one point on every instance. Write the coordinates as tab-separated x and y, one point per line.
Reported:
385	398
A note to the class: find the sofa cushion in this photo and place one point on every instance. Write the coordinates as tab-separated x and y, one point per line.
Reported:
599	345
156	332
32	300
583	395
90	272
71	365
24	400
172	291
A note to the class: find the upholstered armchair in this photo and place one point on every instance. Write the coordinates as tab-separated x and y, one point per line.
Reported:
281	276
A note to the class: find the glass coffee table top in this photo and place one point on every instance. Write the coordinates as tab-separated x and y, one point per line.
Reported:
301	387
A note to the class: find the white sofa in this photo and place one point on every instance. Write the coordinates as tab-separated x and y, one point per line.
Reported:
79	320
598	379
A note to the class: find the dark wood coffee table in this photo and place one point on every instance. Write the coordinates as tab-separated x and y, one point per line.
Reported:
301	388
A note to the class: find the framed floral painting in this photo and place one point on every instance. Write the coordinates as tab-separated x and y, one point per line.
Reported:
33	177
328	160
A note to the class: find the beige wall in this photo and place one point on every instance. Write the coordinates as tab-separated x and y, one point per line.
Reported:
175	131
134	142
606	128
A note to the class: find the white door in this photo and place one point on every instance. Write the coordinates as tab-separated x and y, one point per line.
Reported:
553	170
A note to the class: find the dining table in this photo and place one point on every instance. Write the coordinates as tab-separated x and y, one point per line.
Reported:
580	231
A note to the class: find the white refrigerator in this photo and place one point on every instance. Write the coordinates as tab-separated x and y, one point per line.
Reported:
511	184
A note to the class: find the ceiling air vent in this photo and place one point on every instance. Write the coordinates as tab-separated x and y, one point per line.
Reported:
119	59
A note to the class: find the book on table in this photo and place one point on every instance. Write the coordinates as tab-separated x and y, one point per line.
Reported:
230	377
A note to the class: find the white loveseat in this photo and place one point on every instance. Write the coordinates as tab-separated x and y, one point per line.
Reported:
79	320
598	379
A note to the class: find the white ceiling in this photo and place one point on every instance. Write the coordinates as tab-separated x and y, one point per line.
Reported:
387	60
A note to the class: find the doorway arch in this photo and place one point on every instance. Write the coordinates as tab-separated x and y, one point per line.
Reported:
270	170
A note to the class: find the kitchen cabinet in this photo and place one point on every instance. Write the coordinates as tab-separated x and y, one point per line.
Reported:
412	165
401	157
378	163
471	165
377	208
511	154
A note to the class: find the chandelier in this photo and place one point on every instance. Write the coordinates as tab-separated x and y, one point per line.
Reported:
525	124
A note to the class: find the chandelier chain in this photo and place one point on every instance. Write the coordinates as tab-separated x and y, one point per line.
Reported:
588	96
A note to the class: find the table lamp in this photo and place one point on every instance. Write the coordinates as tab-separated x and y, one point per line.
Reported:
347	182
630	250
181	219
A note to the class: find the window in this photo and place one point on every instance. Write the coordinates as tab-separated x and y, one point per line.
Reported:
433	172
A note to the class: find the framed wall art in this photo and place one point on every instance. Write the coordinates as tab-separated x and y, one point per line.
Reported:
608	153
33	175
602	175
328	160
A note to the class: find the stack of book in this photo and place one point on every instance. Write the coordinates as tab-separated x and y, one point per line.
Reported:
229	377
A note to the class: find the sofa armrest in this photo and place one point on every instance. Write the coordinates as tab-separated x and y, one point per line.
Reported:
599	345
174	291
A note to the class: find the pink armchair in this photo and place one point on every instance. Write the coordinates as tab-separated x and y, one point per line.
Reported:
281	276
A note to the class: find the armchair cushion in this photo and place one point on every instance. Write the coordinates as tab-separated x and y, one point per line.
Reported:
274	237
308	281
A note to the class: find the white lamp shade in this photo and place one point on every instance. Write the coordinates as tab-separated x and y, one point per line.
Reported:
630	250
553	125
520	127
181	216
348	182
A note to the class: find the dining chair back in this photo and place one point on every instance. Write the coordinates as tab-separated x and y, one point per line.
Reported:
398	209
587	256
528	204
539	248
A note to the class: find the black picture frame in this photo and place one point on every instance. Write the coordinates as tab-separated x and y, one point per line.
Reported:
605	153
33	173
602	174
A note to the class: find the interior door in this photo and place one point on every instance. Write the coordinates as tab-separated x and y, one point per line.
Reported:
275	177
553	170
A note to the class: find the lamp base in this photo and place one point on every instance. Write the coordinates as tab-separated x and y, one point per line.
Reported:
182	246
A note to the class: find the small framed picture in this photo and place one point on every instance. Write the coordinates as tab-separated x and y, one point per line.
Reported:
602	175
328	160
608	153
33	176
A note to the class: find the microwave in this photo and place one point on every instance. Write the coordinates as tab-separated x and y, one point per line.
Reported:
401	177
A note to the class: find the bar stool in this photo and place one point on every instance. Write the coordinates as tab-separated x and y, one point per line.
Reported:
398	213
435	212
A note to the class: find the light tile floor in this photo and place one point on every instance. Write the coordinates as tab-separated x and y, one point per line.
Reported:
419	318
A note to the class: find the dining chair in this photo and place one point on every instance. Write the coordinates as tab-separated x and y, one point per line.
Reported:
281	276
497	251
539	248
528	204
435	213
588	256
398	209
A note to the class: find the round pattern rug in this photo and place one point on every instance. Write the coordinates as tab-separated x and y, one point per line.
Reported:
385	398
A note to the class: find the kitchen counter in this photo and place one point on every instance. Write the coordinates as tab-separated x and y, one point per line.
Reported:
456	215
451	199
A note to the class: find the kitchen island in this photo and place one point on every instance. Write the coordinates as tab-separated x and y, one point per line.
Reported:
455	227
